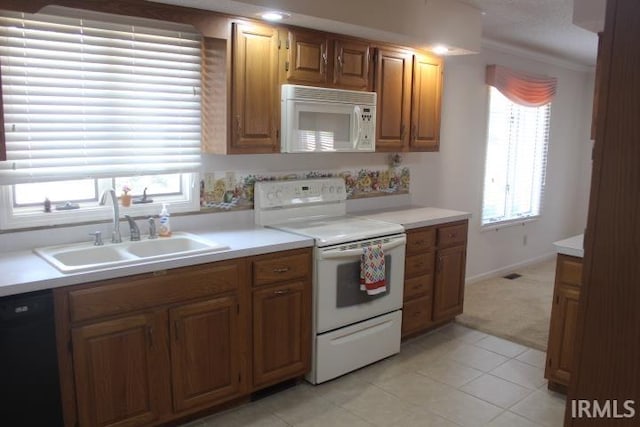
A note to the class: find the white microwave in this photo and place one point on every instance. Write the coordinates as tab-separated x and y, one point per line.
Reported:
316	119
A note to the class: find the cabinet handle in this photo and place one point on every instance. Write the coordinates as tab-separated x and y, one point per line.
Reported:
324	57
282	291
150	335
339	61
281	270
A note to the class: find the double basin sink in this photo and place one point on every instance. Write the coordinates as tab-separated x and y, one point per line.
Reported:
85	256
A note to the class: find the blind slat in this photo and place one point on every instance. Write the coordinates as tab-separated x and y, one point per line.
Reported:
96	99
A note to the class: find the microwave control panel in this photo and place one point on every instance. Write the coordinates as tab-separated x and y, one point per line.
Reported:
367	128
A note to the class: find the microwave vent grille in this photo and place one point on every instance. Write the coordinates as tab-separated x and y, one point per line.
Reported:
334	95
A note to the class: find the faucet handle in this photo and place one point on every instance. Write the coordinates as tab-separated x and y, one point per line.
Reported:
135	231
152	228
98	238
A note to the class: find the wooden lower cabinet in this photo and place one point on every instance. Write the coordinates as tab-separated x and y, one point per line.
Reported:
119	370
149	349
281	316
564	317
281	332
434	276
449	283
205	344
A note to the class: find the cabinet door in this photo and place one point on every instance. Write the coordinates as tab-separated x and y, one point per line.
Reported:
564	317
121	371
255	102
308	56
351	65
205	352
449	283
393	86
281	332
425	106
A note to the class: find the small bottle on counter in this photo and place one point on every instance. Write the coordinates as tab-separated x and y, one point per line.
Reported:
47	205
165	223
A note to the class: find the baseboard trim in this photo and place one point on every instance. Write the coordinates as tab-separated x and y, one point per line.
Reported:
509	269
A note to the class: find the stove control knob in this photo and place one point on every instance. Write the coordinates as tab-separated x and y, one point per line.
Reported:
278	194
270	195
332	189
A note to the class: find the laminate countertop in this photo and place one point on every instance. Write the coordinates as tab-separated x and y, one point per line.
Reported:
416	216
573	246
24	271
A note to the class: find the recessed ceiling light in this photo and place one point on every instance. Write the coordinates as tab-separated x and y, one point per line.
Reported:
440	50
272	16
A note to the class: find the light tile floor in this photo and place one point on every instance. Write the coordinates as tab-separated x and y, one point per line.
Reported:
454	376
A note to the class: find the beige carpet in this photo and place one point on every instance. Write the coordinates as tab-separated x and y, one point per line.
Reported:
518	310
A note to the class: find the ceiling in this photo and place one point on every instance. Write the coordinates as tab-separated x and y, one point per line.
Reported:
543	26
540	25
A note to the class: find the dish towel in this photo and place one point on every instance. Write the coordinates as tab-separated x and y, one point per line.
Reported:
372	270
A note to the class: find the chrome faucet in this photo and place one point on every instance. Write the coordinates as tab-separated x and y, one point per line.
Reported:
115	235
133	228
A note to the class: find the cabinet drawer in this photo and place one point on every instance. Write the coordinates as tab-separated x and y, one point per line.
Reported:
416	315
149	290
452	235
421	240
417	286
569	270
281	267
418	265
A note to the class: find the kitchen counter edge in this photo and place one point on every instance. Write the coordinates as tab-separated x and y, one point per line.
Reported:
573	246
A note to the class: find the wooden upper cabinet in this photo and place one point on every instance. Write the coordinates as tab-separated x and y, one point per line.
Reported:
307	57
205	352
119	369
425	103
393	71
255	103
318	59
351	64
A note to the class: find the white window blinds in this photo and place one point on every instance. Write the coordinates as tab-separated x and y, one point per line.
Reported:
518	138
84	98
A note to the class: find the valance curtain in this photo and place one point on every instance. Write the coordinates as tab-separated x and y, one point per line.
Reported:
521	88
91	99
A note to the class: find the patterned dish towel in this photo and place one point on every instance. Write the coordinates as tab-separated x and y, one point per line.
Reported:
372	271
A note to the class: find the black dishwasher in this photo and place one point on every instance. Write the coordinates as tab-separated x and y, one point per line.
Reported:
29	382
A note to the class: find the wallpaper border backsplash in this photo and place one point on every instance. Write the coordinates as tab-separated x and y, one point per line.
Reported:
232	190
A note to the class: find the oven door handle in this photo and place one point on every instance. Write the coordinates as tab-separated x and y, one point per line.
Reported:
350	253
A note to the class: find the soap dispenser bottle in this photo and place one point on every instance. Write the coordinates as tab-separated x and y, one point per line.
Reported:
165	225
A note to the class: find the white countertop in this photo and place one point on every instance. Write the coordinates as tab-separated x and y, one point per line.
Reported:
573	246
416	216
24	271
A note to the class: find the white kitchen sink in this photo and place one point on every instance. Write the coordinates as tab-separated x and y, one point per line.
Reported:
78	257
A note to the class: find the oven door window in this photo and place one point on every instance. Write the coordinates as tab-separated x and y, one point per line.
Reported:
348	291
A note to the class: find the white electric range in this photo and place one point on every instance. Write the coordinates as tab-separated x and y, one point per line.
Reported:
350	328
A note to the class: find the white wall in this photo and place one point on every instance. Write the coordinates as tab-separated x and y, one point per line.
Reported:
453	178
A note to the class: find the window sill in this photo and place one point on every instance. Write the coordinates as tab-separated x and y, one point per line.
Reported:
497	226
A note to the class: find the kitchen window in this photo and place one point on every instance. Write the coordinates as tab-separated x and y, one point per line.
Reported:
517	145
91	104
